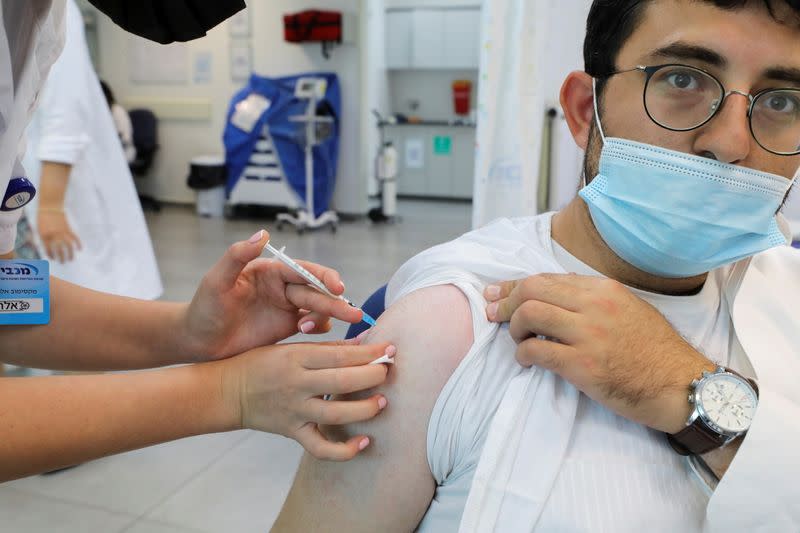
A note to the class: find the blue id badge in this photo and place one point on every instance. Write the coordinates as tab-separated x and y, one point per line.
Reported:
24	292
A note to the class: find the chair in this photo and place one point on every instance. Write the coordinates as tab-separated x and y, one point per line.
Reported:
145	139
374	307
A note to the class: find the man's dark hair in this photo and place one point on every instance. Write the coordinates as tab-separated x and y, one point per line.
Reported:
612	22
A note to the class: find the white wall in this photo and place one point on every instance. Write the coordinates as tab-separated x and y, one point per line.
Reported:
182	139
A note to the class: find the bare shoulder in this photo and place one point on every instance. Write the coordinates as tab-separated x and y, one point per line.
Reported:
389	486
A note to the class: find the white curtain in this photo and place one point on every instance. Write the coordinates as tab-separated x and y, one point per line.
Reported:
528	47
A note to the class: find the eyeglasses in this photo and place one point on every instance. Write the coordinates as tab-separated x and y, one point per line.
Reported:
683	98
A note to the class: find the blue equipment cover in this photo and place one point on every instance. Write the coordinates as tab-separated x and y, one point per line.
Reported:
287	136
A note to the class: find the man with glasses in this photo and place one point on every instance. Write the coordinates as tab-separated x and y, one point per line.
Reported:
653	320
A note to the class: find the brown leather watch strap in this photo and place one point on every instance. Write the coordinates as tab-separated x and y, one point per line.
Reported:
696	439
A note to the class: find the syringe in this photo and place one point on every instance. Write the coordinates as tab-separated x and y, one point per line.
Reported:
312	279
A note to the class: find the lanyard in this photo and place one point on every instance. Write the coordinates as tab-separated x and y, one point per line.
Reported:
20	192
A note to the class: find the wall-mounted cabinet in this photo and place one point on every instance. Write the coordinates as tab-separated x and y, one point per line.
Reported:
433	38
398	39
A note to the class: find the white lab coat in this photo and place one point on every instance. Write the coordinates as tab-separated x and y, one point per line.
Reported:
73	125
31	38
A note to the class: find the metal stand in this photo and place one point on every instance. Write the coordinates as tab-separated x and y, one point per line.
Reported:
305	218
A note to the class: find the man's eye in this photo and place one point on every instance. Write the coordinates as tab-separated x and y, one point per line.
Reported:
683	80
781	103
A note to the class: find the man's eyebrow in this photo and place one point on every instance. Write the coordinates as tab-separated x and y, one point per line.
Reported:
682	50
787	74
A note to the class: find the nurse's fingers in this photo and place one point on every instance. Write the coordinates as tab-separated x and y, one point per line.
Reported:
315	443
328	276
314	324
50	249
339	355
226	271
343	380
72	245
304	297
58	253
343	412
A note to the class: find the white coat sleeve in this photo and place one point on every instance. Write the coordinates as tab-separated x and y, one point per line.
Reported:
64	108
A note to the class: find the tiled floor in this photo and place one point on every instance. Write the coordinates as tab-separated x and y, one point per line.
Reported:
232	482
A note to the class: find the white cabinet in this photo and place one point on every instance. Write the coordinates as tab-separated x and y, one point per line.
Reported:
435	161
398	39
427	38
462	28
433	38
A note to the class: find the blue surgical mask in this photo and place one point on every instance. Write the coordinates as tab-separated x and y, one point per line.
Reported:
678	215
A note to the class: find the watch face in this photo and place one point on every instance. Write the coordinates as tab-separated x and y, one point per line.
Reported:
728	403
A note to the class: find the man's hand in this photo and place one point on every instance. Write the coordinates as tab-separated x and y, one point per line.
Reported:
245	302
60	242
613	346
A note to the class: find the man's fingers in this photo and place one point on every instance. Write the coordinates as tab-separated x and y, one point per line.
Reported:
339	355
343	412
538	318
497	291
226	271
545	354
315	443
344	380
305	297
563	290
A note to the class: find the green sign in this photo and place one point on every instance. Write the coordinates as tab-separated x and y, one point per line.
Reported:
442	145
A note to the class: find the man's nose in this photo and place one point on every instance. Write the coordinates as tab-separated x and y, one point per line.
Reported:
727	136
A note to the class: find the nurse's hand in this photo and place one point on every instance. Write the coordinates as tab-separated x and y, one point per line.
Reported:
609	343
279	389
60	242
246	301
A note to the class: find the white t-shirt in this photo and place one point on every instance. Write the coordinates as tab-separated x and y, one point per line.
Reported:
596	471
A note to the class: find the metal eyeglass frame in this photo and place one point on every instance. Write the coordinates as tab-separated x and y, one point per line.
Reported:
649	71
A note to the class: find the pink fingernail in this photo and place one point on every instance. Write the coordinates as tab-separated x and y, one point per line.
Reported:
491	311
493	292
391	351
307	327
256	237
342	284
382	403
363	444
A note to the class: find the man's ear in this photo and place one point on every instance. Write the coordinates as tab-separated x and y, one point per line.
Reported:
578	106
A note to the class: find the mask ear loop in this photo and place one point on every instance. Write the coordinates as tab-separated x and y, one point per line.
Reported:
596	110
596	119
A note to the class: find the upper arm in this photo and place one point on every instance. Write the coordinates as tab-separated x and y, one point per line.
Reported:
389	486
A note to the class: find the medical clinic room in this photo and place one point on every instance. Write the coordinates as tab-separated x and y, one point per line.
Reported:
399	265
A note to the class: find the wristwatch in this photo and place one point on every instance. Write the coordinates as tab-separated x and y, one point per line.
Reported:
724	406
